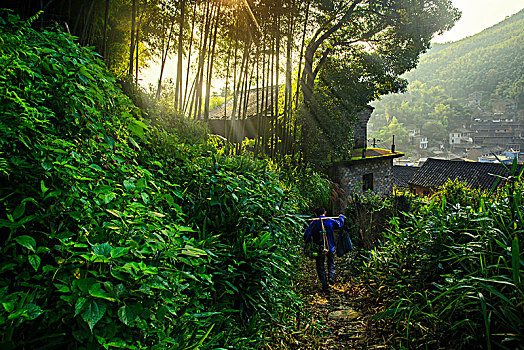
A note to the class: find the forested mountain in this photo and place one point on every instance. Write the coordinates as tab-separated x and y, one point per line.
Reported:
489	64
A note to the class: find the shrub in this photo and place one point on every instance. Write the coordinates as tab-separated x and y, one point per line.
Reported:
454	193
371	214
115	234
452	275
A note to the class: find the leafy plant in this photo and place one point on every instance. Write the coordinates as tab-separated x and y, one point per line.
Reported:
116	234
451	274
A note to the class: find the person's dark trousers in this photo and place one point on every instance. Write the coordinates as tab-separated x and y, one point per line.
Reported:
321	269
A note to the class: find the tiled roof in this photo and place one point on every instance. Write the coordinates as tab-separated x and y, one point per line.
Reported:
251	109
435	173
402	174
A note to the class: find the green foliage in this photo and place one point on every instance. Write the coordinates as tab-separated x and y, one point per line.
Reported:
489	62
394	128
490	66
345	86
307	184
114	234
456	193
450	274
371	214
188	131
357	55
428	109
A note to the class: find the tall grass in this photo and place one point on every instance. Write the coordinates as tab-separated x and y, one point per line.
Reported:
451	275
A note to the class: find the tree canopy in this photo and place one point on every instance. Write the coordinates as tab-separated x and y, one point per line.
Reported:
330	56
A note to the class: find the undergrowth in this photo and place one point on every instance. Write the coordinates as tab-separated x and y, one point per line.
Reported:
116	232
450	274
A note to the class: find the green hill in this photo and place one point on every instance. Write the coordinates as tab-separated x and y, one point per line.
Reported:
489	64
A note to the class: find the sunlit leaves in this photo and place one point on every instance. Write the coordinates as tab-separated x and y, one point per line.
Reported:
454	264
116	240
27	242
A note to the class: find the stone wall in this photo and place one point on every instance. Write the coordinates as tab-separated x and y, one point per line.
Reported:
350	175
360	130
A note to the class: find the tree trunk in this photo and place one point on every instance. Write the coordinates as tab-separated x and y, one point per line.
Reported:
163	59
132	45
195	84
210	66
309	74
234	93
104	43
137	42
186	92
178	85
226	94
272	98
86	23
201	62
257	140
287	97
266	103
304	30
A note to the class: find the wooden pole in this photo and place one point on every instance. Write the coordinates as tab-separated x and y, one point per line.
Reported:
323	218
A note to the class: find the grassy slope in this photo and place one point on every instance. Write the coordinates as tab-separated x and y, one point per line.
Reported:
114	233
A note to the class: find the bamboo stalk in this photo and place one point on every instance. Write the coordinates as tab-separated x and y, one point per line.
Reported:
323	218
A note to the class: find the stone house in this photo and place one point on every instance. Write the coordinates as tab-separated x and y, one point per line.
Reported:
367	168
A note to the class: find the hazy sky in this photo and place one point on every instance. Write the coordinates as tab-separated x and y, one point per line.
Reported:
478	15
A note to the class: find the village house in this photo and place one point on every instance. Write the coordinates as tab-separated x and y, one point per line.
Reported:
434	173
460	136
367	168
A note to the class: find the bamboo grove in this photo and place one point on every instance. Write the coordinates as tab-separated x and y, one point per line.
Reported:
300	67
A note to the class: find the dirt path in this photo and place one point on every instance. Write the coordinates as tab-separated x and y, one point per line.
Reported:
345	312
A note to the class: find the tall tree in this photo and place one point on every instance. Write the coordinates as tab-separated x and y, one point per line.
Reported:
180	55
397	31
106	19
132	44
376	41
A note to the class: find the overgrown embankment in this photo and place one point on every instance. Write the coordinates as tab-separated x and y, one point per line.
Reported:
448	273
114	233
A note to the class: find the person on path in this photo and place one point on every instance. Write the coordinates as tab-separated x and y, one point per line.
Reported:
313	233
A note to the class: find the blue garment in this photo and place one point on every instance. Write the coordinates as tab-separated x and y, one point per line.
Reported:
313	231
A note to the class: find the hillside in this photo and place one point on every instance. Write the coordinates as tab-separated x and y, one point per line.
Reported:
489	64
117	234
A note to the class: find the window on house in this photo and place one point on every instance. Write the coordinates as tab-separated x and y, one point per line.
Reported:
367	182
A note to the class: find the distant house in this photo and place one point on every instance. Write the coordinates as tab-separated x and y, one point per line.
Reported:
423	142
417	140
435	173
497	132
460	136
